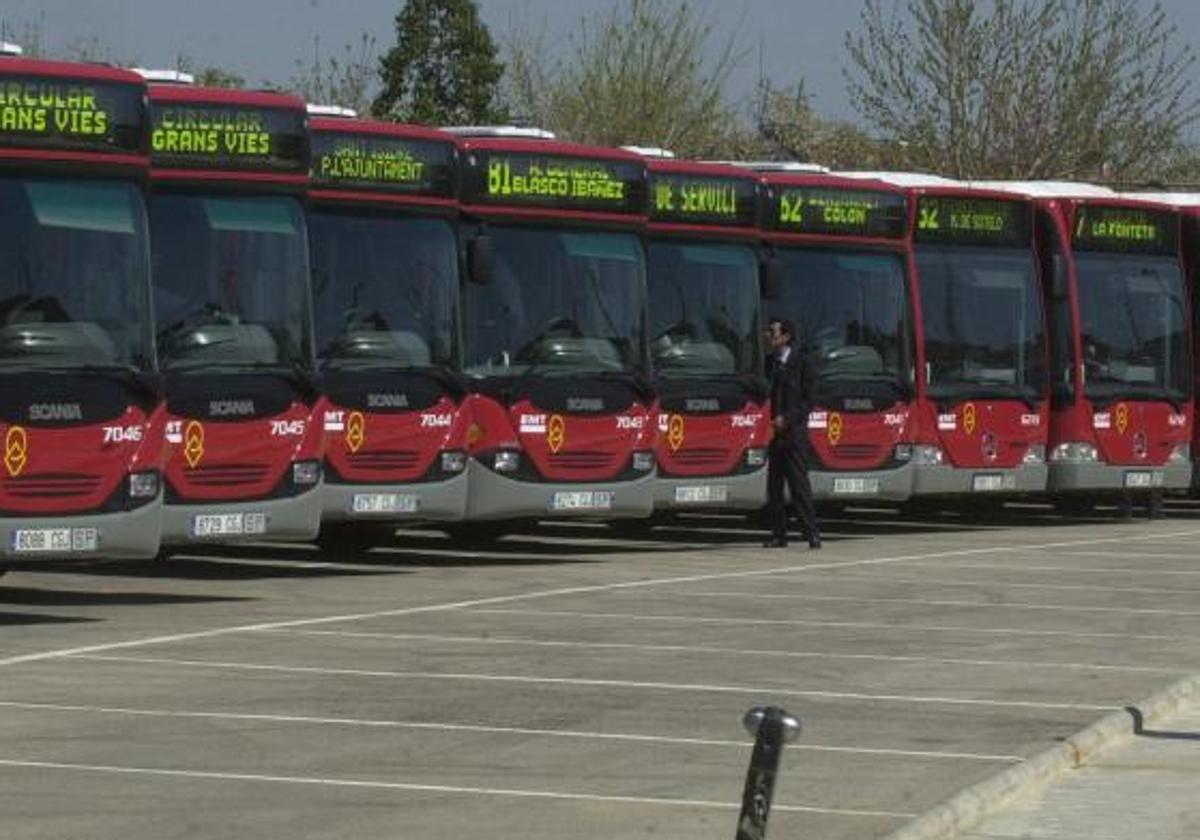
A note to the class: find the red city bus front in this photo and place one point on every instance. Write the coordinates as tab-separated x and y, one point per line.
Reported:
385	266
846	284
81	417
705	336
234	315
563	411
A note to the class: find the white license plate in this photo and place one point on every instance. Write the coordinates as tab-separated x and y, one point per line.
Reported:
55	540
1139	479
987	483
856	486
701	494
385	503
228	524
582	500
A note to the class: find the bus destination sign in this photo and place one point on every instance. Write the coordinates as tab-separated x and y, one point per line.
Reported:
961	220
203	135
1131	229
838	212
82	115
557	181
380	163
703	200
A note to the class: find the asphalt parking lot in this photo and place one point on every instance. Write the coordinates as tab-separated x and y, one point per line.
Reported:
574	682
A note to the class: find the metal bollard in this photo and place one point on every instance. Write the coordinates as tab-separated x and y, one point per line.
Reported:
772	728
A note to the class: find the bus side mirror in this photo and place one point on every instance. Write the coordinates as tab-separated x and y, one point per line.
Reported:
481	260
770	279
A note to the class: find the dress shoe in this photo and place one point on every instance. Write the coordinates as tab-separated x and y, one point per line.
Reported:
775	542
814	543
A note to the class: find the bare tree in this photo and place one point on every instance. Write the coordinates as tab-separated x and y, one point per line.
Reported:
1024	88
350	80
790	128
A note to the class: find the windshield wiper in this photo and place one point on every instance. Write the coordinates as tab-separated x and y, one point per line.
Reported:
147	382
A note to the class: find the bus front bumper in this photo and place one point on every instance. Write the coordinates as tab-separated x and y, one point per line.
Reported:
895	484
438	501
747	491
1076	478
494	496
290	519
945	480
122	535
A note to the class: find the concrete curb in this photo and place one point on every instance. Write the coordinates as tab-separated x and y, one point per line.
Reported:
969	806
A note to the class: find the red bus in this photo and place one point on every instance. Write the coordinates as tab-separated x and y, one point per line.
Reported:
382	227
556	351
982	385
234	315
705	327
82	417
1121	342
842	245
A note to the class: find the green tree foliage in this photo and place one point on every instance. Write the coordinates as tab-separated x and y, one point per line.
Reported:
1024	88
443	69
645	72
348	80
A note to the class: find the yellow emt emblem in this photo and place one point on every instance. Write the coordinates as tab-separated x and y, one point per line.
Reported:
969	418
193	443
556	433
16	450
835	428
675	432
1122	418
356	431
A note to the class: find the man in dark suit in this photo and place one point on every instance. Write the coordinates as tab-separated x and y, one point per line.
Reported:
792	384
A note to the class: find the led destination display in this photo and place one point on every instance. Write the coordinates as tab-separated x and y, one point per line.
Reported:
200	135
1132	229
973	221
568	183
708	200
71	114
838	212
379	163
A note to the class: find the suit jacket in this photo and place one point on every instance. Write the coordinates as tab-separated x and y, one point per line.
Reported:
792	387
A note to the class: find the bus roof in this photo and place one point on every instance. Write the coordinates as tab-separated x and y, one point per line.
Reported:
907	180
67	70
1048	189
1186	200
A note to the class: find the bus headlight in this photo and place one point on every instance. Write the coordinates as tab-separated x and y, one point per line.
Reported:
306	473
506	461
1181	453
643	461
756	457
1074	452
927	455
1035	454
454	462
143	485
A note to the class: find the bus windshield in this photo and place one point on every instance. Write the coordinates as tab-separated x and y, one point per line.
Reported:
851	312
704	303
385	289
561	301
984	332
75	286
230	281
1133	326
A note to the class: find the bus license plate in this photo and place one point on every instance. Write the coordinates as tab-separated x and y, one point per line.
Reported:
855	486
582	500
1138	479
701	494
55	540
385	503
228	524
988	483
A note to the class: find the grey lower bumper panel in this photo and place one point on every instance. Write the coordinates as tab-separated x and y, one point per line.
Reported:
979	481
862	485
493	496
291	519
127	535
1077	478
437	501
721	492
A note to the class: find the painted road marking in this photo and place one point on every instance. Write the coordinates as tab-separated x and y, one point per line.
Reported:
999	584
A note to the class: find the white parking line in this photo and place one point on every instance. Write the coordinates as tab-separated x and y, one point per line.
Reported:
582	682
425	788
1129	555
1074	570
494	730
1003	584
725	651
569	590
920	602
866	625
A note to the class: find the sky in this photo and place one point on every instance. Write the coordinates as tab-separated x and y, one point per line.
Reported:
262	40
